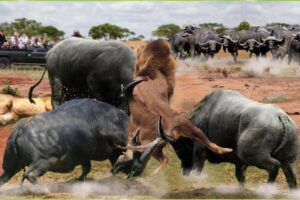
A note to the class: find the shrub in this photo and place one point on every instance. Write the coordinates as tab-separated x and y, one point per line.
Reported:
7	89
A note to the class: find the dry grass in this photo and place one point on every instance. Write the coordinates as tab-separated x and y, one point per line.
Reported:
276	99
25	70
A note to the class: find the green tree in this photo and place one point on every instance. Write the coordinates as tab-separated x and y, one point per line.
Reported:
23	25
109	32
31	27
166	30
52	32
218	27
140	37
243	26
276	24
6	28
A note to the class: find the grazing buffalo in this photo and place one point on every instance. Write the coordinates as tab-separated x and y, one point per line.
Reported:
79	68
77	132
150	99
230	42
260	135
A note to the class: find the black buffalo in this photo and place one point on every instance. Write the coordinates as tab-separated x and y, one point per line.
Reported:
294	50
261	48
230	42
183	43
248	40
77	132
279	42
260	135
207	42
79	68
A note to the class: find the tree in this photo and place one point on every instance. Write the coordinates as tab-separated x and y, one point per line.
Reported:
243	26
276	24
52	32
166	30
6	28
218	27
31	27
23	25
140	37
109	32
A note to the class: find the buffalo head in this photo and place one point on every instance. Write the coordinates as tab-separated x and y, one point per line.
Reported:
271	41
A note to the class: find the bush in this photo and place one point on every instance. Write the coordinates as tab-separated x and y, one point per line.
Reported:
277	99
7	89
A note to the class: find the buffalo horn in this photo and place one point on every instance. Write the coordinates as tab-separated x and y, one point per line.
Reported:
128	89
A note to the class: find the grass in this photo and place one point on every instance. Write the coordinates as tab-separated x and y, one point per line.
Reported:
171	177
7	89
24	70
277	99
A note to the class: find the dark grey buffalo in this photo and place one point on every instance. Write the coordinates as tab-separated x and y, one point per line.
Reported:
279	42
79	68
261	48
260	135
294	49
77	132
230	43
207	42
183	43
248	41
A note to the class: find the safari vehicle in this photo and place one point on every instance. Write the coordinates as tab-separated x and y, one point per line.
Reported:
29	56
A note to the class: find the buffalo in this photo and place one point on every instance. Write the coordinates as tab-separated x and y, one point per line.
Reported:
81	68
183	43
248	40
279	42
261	48
207	42
230	42
77	132
294	50
260	135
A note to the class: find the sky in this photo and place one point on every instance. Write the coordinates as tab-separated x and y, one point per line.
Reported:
144	17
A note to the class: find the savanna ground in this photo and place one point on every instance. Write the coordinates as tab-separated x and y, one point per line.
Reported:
262	80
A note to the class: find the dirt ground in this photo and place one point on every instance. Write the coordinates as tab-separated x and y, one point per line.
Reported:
193	82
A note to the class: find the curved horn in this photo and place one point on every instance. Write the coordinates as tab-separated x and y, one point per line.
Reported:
296	34
230	38
279	40
128	89
272	38
161	134
140	165
202	44
259	42
244	43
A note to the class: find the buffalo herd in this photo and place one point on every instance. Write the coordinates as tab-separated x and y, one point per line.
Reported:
107	101
280	41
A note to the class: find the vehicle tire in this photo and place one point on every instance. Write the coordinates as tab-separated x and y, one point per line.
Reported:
4	62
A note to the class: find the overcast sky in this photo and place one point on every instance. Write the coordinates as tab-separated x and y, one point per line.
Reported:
144	17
